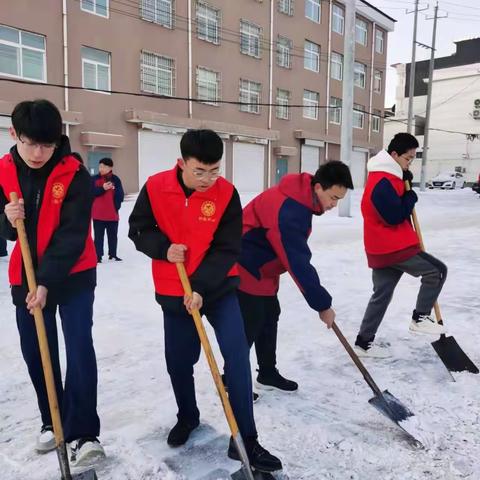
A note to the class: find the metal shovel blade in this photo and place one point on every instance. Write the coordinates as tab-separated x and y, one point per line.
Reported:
395	410
87	475
242	475
453	357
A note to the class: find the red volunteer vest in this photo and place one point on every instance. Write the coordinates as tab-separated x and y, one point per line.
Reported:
49	217
379	237
104	205
191	221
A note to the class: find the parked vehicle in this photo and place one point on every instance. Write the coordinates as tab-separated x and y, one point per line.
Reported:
447	180
476	185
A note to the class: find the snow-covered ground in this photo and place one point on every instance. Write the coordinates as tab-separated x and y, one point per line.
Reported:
326	430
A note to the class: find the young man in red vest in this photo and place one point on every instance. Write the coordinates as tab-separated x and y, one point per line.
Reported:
108	193
55	203
191	214
392	245
276	227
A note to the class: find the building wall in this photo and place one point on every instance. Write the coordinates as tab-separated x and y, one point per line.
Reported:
125	35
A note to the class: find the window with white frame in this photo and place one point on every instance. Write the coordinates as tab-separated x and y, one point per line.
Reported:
158	11
250	38
338	19
336	66
22	54
157	74
284	52
250	94
379	36
360	74
208	23
95	69
313	10
311	57
286	6
358	115
310	104
335	110
208	86
376	121
97	7
283	100
377	81
361	31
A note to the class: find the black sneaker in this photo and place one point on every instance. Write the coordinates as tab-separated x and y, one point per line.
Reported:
85	451
180	432
255	395
260	459
114	257
273	380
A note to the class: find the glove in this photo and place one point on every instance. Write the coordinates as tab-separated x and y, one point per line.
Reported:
408	176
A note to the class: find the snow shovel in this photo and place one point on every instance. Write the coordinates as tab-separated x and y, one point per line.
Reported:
245	472
46	361
447	348
384	401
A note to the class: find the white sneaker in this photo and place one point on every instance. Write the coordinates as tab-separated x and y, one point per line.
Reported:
426	324
374	350
85	452
46	440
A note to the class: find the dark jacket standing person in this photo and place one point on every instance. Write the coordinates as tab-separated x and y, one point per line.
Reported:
193	215
109	195
392	245
55	202
3	247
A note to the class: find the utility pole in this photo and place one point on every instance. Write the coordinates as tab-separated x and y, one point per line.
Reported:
412	68
346	139
423	171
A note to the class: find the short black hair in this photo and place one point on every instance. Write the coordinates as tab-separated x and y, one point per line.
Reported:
402	143
106	161
204	145
333	173
78	157
39	120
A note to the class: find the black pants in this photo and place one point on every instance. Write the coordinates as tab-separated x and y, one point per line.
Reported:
3	247
99	227
260	315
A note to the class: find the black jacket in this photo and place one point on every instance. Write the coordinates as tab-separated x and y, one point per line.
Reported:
68	241
210	279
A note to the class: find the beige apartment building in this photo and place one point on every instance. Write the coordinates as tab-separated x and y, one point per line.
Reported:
144	71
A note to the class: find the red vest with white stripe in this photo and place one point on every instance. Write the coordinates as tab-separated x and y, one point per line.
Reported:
55	192
191	221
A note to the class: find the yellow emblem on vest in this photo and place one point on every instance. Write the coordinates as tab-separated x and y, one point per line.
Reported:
58	192
208	208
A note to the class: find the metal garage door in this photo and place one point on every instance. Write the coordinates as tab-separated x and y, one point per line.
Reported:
6	142
310	159
358	162
248	167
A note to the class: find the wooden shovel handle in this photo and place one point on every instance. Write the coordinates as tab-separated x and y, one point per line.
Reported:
416	225
232	423
40	328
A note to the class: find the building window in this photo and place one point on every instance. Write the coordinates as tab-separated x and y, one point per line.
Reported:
22	54
359	74
338	19
358	115
310	104
157	74
377	81
361	31
286	6
208	86
311	59
312	10
208	23
158	11
376	121
379	35
96	69
250	94
283	100
335	113
284	52
250	39
97	7
336	66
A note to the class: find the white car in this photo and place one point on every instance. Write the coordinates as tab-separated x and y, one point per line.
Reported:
447	180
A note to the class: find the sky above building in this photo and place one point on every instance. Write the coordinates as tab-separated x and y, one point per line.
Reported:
463	22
